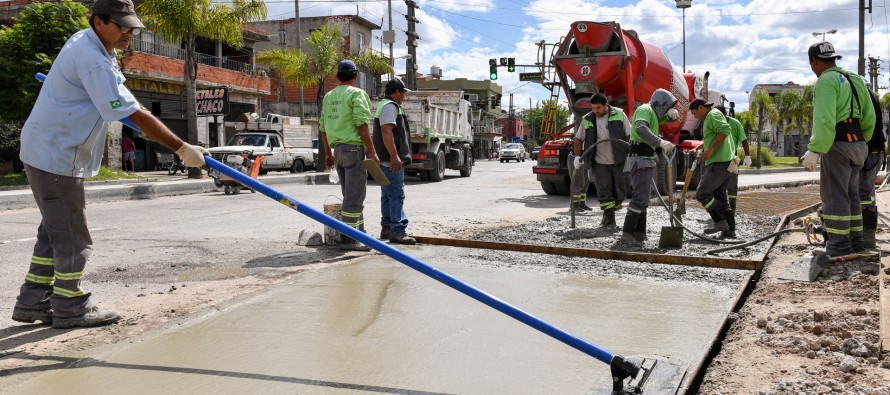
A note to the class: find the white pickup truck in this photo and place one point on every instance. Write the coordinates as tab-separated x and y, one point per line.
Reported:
285	146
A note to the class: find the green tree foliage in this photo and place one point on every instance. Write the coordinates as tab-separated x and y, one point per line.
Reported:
319	61
30	46
885	101
186	20
764	109
534	118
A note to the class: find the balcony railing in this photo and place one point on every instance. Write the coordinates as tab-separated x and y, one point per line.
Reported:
169	51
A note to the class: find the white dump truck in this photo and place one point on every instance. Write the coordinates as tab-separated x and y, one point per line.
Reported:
441	133
285	144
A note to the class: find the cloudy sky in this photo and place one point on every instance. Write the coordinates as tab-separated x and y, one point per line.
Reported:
741	42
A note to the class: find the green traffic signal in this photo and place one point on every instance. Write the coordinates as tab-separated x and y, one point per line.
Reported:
511	64
503	61
493	70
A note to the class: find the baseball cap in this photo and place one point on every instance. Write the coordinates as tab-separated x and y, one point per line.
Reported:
699	102
823	50
122	12
396	84
346	66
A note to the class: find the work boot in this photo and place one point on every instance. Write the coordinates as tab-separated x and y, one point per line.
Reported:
22	314
720	223
385	233
585	207
869	226
608	219
349	244
727	234
630	226
640	232
93	317
730	219
403	239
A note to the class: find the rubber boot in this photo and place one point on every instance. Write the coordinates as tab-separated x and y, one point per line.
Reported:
608	219
640	233
869	226
730	220
720	223
630	226
732	202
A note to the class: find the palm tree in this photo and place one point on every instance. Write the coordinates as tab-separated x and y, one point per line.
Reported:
186	20
786	102
311	67
765	109
801	115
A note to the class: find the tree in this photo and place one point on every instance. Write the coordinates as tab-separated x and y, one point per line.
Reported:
764	109
186	20
801	115
786	101
30	46
885	101
318	62
534	118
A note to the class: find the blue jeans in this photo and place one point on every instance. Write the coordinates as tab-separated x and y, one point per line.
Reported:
392	202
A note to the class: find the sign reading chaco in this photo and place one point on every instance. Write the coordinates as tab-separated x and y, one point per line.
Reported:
211	101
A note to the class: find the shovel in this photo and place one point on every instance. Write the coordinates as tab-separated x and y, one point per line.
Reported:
681	205
671	236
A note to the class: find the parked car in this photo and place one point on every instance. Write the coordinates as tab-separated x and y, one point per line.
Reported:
535	153
513	151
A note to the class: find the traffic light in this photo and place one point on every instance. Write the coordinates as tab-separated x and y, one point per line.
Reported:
511	64
503	61
497	100
493	69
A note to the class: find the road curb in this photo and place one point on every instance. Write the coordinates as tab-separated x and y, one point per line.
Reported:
138	190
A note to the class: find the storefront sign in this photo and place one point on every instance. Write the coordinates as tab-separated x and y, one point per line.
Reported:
211	101
153	86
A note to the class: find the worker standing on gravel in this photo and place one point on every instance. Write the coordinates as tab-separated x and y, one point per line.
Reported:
720	163
738	137
343	126
612	183
877	147
641	159
843	121
62	143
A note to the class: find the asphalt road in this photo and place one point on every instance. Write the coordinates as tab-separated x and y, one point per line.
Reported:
203	253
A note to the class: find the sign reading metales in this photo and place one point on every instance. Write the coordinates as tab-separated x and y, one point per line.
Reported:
211	101
535	77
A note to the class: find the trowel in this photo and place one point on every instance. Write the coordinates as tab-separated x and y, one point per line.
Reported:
808	267
671	236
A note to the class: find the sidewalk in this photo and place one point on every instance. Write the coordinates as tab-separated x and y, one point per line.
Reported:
156	184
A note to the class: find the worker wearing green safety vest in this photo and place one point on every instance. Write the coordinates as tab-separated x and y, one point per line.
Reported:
720	163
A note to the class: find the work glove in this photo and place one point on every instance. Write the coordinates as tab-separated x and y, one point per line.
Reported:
192	155
734	165
666	146
747	162
577	162
809	160
673	115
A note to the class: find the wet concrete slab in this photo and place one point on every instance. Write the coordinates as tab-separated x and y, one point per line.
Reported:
375	326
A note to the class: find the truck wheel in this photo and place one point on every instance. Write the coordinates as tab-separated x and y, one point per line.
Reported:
438	174
297	166
549	188
563	188
468	167
218	183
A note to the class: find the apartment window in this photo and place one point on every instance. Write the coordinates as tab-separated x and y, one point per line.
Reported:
360	37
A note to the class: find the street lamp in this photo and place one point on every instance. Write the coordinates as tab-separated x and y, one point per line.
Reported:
683	5
817	34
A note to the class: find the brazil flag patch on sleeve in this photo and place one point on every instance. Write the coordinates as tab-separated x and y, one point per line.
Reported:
115	103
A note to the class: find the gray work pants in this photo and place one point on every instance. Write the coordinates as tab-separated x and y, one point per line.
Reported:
611	185
839	190
641	183
732	189
353	183
711	191
871	167
62	249
580	180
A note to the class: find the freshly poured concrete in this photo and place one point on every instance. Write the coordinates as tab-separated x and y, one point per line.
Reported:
379	327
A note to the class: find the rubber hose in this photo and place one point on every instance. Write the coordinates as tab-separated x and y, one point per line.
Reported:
769	236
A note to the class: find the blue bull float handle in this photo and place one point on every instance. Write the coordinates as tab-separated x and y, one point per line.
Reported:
416	264
126	121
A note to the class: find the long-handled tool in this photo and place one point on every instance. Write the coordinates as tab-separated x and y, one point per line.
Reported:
681	204
808	267
671	236
632	375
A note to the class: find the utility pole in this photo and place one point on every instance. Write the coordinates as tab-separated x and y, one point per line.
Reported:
300	47
391	61
873	72
512	118
411	62
862	35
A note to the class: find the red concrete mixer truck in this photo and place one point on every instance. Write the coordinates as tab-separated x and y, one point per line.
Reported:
602	57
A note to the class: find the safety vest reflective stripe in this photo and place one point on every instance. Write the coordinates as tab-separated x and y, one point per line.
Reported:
711	202
352	219
39	260
841	217
732	196
43	280
582	197
608	205
866	202
856	229
69	276
67	293
834	231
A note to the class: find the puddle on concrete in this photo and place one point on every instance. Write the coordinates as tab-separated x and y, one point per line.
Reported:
379	327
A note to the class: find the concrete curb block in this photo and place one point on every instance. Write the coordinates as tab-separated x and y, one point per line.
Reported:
19	199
